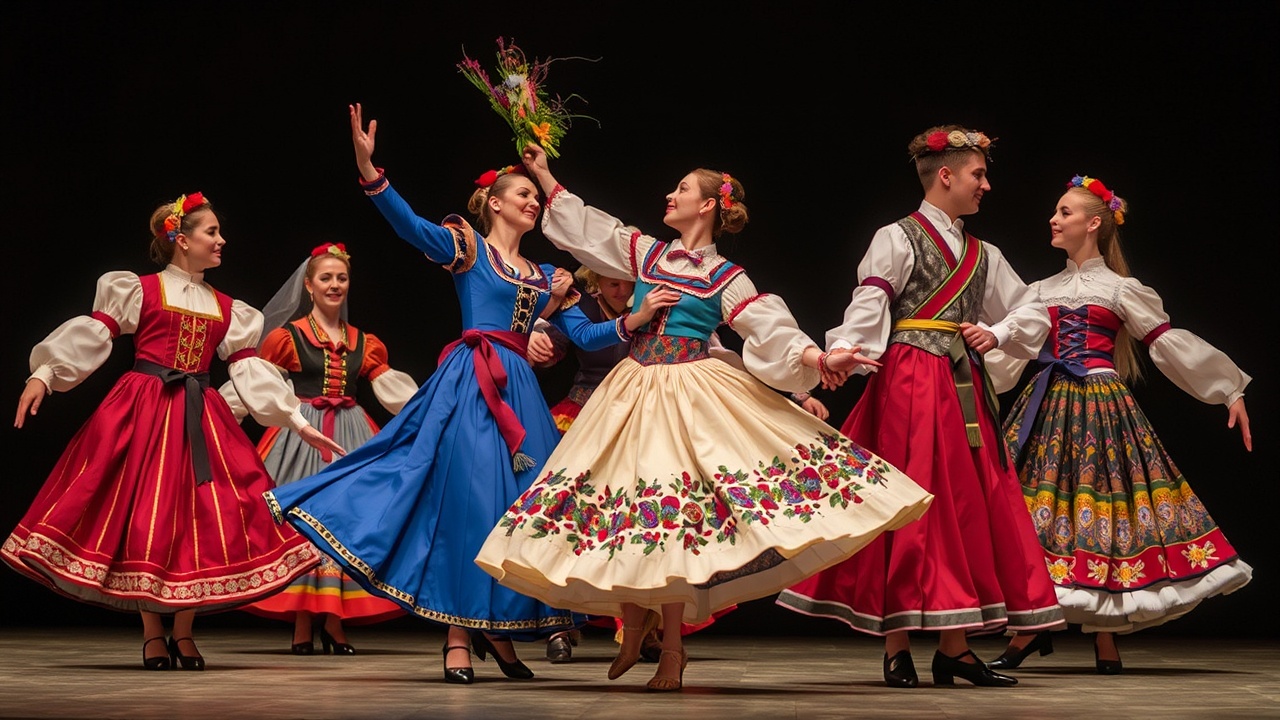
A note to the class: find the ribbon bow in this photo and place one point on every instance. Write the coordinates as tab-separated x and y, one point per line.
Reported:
329	406
492	378
694	258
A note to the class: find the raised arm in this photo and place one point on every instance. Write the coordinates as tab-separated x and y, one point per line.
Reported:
453	248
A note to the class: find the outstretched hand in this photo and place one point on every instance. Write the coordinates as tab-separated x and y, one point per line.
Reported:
1236	416
362	140
29	403
837	365
317	440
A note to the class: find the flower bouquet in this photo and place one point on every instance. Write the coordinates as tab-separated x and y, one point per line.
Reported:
520	98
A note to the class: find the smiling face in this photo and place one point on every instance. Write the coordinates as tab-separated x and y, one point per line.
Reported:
327	283
1073	228
202	245
616	292
969	183
513	199
686	204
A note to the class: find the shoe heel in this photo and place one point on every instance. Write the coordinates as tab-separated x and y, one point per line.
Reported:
942	678
1046	648
188	662
482	645
329	644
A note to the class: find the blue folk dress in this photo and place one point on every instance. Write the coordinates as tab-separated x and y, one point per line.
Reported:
406	513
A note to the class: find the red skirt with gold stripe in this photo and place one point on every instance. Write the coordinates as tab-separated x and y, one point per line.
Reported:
121	522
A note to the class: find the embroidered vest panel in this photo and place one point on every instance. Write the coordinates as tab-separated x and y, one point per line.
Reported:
325	373
174	337
698	313
929	273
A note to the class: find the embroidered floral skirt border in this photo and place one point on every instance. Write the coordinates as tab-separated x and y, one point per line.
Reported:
692	483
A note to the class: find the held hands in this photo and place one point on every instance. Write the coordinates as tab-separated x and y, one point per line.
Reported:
561	283
362	141
317	440
1236	416
837	365
33	394
978	338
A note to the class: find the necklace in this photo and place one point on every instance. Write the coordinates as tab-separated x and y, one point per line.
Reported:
321	335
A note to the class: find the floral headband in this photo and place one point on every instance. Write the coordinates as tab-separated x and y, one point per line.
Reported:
337	250
183	205
1095	186
491	176
955	140
726	192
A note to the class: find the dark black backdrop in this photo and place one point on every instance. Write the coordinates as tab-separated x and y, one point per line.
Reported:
112	108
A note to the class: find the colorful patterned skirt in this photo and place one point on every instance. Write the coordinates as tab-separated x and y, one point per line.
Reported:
326	589
121	522
972	562
692	482
1127	542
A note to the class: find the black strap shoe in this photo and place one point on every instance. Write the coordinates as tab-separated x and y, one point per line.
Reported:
900	671
946	669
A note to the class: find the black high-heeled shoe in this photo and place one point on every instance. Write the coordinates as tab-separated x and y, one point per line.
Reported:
155	663
188	662
327	644
306	647
1013	657
1106	667
515	669
946	669
461	676
900	671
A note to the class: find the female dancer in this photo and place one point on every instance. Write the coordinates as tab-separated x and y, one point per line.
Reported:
406	512
1128	544
153	507
611	298
325	359
687	485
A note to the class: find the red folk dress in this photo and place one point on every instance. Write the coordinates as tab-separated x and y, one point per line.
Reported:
123	521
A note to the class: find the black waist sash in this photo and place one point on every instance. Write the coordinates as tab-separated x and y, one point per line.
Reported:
194	395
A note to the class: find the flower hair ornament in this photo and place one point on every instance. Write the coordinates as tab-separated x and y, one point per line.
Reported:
1095	186
183	205
520	98
726	192
943	140
337	250
491	176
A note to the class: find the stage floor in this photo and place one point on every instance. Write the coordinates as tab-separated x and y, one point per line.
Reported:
87	672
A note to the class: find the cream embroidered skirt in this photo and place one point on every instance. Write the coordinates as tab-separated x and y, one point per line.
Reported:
694	483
